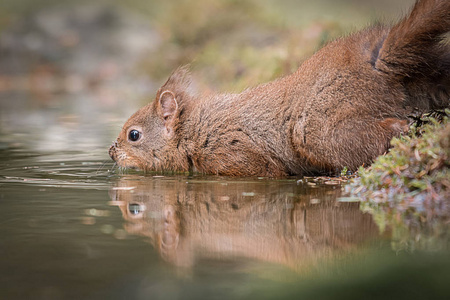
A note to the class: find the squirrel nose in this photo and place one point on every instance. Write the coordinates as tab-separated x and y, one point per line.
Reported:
112	150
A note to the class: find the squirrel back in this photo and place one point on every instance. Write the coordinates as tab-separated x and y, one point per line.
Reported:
416	53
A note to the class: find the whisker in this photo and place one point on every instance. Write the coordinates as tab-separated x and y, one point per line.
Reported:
114	166
121	170
101	167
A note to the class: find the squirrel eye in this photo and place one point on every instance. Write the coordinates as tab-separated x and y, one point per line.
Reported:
134	135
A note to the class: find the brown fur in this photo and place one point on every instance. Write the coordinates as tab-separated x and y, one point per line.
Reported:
340	109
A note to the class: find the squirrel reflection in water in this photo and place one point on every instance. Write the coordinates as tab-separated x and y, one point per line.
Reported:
272	221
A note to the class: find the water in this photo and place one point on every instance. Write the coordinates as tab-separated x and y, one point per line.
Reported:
74	227
73	230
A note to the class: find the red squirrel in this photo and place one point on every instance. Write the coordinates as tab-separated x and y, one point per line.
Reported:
340	109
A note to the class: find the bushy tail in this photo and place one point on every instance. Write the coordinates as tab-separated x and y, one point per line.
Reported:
417	52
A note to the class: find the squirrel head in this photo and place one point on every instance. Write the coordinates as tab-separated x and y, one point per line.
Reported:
150	138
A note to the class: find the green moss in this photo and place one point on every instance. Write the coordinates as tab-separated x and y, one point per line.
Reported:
415	168
408	189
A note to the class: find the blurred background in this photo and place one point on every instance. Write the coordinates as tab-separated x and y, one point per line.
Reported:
71	72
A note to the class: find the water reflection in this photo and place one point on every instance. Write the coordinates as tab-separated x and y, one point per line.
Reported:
282	222
411	229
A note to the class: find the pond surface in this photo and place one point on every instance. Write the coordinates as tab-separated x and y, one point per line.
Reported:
74	227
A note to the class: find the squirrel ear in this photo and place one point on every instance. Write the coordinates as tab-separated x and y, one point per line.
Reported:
168	104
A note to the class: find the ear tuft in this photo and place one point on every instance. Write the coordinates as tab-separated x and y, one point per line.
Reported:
168	104
180	82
